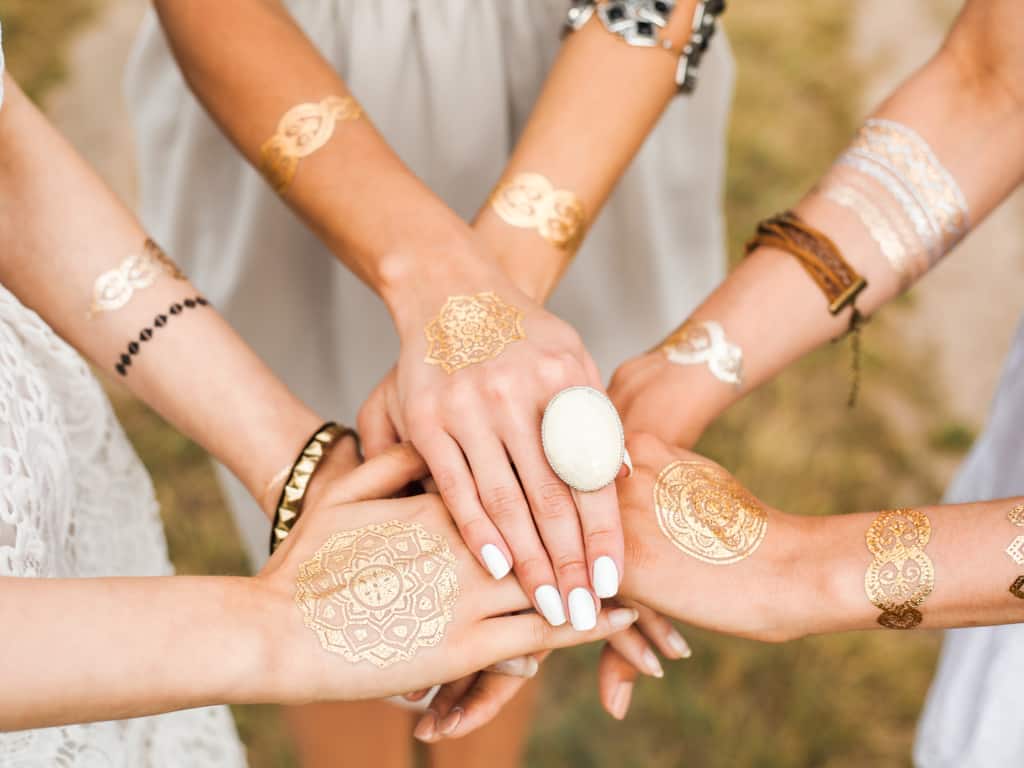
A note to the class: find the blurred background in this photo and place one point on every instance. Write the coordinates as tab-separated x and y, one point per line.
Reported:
808	71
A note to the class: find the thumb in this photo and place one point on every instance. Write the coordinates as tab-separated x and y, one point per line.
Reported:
384	475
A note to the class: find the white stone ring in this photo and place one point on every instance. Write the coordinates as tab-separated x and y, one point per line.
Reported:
583	439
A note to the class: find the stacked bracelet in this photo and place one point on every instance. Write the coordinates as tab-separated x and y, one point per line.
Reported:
289	505
638	23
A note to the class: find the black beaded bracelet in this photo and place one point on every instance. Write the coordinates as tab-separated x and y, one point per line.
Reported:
134	347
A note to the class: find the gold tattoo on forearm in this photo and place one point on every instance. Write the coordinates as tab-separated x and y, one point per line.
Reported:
901	575
704	342
303	130
1017	588
1016	549
379	593
704	512
471	330
530	201
115	287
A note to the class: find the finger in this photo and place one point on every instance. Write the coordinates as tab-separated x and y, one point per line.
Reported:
615	677
603	538
457	489
662	633
521	666
382	476
507	509
527	633
416	695
634	648
377	431
557	521
483	701
444	714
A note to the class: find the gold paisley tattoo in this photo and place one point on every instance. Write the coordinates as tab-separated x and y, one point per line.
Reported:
530	201
471	330
703	342
303	130
901	575
115	288
379	593
1017	588
703	511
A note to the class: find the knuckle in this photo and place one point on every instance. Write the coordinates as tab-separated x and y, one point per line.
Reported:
476	531
642	443
447	483
500	388
570	564
533	570
504	503
555	500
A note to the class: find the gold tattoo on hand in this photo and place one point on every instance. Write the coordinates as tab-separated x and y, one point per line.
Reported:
303	130
707	514
115	288
379	593
530	201
901	575
471	330
704	342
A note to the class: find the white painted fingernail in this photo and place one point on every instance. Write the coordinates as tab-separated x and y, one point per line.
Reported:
550	603
652	664
495	561
606	577
678	644
621	618
582	612
628	462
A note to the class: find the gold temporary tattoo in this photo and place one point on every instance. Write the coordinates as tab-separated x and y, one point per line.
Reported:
379	593
302	131
1016	549
1016	515
115	288
704	341
703	511
530	201
1017	588
471	330
901	575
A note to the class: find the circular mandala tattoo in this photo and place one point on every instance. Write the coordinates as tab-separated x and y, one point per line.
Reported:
901	575
707	514
379	593
470	330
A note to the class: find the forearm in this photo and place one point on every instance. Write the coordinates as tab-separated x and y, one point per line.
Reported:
61	231
598	104
80	650
373	213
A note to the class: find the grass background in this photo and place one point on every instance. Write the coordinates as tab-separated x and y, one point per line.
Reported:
847	700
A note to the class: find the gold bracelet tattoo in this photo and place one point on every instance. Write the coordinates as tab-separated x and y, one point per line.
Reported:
698	342
379	593
115	288
704	512
303	130
1016	549
471	330
901	575
530	201
1017	588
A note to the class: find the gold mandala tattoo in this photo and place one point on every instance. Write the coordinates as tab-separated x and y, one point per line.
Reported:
703	511
901	575
115	288
530	201
379	593
303	130
471	330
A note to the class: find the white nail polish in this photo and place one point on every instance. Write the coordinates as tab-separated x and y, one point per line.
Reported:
582	611
628	462
496	562
550	603
606	577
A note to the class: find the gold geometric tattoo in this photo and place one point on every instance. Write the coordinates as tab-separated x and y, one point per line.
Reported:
115	288
302	131
703	511
1016	549
1017	588
379	593
703	341
901	575
1016	515
470	330
530	201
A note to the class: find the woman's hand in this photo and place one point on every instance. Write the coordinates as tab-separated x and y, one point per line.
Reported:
479	363
374	598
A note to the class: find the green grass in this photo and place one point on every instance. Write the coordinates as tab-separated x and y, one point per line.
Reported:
848	700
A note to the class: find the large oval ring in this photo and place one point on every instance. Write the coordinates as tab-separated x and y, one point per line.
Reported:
583	438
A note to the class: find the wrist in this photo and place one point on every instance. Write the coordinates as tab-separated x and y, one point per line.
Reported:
534	265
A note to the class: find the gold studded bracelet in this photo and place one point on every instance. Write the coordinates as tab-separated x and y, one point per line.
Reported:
289	505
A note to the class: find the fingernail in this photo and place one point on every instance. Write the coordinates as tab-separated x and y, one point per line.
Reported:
678	644
550	603
426	728
621	618
652	664
451	721
582	612
628	462
620	700
495	561
606	577
522	666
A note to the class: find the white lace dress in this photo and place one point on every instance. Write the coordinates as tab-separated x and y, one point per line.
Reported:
76	501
